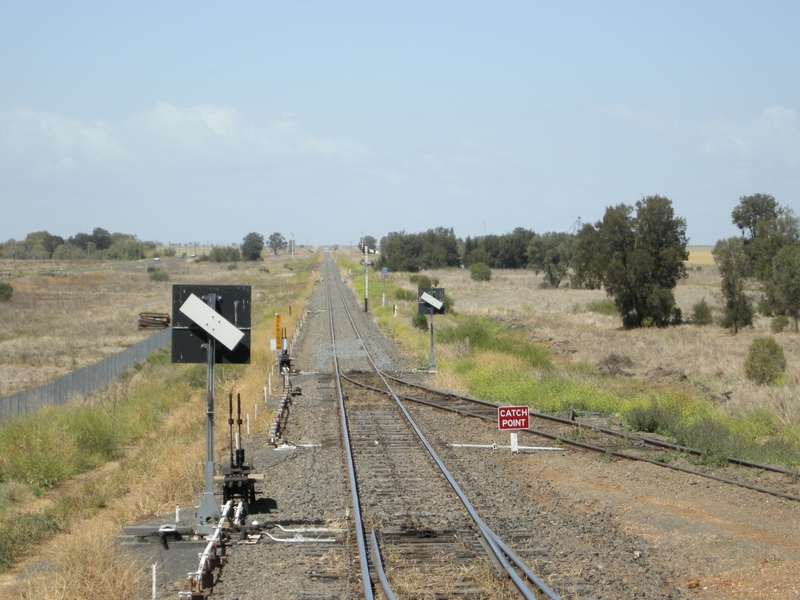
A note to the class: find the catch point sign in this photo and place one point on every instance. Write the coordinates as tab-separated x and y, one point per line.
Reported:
510	418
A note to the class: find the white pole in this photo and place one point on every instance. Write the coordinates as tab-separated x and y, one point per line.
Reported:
514	444
177	514
155	590
269	383
255	412
248	424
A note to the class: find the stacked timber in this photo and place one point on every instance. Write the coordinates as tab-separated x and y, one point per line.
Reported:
149	320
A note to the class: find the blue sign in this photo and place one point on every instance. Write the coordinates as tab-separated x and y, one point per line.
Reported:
384	271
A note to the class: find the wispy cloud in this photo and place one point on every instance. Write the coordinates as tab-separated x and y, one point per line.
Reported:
770	141
38	139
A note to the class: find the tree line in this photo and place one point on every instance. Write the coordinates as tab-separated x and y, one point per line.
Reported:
100	244
103	245
636	253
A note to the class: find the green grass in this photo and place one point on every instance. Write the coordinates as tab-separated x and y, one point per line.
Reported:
55	443
484	334
603	307
24	531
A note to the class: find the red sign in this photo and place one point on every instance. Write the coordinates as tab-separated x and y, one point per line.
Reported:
512	417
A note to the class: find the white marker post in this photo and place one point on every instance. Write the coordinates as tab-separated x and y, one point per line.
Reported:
512	419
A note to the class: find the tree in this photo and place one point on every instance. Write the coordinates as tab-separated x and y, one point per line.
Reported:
252	245
276	242
507	251
785	283
368	241
752	211
733	263
224	254
767	227
101	239
551	254
432	249
639	259
587	268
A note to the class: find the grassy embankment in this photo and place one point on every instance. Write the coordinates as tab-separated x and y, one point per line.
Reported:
151	423
487	359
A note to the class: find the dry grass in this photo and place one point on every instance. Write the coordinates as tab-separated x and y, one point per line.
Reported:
86	564
55	324
700	255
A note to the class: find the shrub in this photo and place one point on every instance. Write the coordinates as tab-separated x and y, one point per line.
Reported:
480	271
701	313
449	303
404	294
765	361
422	281
653	419
159	275
420	322
779	323
5	291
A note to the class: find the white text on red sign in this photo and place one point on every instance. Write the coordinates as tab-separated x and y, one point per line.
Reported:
512	417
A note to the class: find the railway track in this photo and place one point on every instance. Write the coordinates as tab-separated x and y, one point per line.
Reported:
312	543
567	430
416	529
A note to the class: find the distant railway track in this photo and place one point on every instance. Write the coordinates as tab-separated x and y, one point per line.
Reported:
412	520
600	439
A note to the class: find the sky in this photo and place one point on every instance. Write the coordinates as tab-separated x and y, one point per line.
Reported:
203	121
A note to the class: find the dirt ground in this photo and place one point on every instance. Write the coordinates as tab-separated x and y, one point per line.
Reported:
708	539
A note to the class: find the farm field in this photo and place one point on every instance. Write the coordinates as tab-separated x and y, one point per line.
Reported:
64	316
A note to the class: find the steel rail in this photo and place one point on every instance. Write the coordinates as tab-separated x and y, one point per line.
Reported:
490	536
608	430
601	450
378	562
359	526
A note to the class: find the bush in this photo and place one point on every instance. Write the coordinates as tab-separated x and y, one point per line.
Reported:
422	281
404	294
159	275
449	303
420	322
779	323
5	291
653	419
765	361
701	313
480	271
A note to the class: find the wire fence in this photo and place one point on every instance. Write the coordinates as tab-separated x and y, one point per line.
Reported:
84	381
